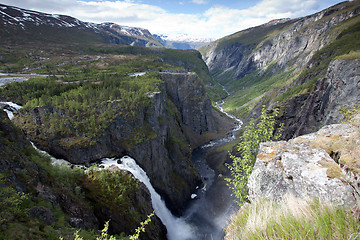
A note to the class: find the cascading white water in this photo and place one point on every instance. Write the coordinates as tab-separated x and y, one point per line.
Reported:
177	228
204	226
13	106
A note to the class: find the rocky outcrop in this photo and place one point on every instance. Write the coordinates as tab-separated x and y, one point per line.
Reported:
299	167
159	137
339	89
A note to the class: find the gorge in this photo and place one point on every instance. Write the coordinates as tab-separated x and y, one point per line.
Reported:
176	113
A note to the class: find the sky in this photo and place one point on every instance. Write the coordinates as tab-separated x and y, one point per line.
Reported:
200	18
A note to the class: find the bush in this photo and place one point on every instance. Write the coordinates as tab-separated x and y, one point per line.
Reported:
242	166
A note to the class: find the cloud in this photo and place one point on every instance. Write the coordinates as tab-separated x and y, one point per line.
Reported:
199	1
216	22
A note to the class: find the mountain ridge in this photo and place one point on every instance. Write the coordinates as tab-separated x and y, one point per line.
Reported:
276	63
30	25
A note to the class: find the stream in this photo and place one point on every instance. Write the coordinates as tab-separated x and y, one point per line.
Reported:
206	215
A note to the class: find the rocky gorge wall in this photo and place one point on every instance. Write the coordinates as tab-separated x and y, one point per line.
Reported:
313	166
339	89
288	43
160	137
49	199
253	65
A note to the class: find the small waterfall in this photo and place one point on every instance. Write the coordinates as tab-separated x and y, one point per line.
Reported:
176	227
9	108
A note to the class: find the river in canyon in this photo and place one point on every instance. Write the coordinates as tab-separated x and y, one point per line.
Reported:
211	206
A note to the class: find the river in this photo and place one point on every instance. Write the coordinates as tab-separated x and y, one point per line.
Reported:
207	214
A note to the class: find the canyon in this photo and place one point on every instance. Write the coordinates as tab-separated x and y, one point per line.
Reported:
164	109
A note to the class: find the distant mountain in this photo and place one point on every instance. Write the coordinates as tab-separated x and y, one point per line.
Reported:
182	41
306	66
20	25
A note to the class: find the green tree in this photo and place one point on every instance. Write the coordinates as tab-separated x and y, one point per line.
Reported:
242	165
10	201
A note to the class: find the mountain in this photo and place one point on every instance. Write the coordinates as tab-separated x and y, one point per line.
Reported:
182	41
20	25
305	66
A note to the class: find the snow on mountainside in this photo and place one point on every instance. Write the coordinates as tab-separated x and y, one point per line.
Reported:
183	41
17	21
17	16
185	38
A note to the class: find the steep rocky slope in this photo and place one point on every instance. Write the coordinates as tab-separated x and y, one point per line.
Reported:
286	63
337	91
159	136
26	26
59	198
306	187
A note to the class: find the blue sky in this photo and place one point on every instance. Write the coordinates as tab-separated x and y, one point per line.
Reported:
201	18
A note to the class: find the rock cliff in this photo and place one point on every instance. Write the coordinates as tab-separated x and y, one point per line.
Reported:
287	43
339	89
312	166
51	200
160	137
295	64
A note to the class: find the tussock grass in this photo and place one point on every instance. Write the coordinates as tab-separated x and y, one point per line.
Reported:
352	55
292	219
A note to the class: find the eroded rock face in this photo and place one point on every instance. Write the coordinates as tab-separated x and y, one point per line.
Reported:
338	89
297	168
18	167
159	137
293	46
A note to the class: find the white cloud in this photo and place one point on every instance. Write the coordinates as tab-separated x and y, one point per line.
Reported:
215	22
199	1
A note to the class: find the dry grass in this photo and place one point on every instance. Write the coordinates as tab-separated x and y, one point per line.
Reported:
352	55
291	219
346	147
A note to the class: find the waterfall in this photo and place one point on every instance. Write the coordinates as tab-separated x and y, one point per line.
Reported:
177	228
10	108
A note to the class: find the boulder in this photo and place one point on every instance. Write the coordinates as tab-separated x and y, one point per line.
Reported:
299	167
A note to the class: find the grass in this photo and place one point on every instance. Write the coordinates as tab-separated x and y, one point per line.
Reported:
352	55
254	86
292	219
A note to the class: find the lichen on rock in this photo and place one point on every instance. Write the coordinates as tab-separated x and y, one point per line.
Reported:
301	168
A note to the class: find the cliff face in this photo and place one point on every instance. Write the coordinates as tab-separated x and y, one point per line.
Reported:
290	43
339	89
51	198
295	64
160	137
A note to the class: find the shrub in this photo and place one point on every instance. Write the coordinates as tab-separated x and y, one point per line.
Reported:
242	166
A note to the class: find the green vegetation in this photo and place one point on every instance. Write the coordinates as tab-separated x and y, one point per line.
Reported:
254	86
252	37
29	180
271	85
352	55
105	236
10	202
141	228
292	219
82	104
242	165
111	189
